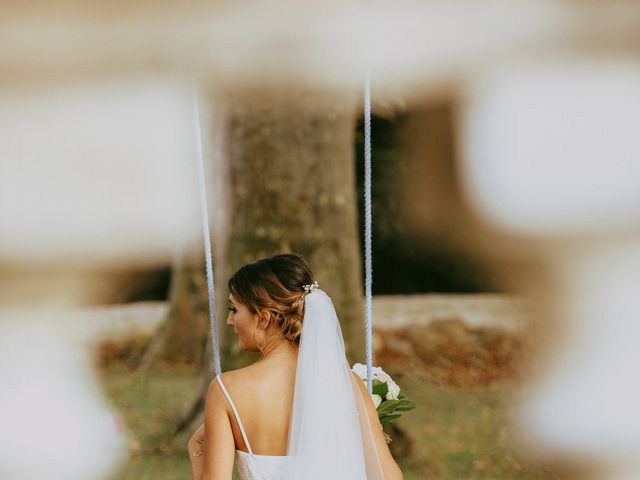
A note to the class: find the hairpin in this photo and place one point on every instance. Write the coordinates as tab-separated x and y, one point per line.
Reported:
311	287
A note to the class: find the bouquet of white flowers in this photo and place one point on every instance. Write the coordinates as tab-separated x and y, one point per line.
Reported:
386	394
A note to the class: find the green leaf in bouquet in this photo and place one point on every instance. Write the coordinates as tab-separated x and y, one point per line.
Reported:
405	405
387	407
389	418
379	388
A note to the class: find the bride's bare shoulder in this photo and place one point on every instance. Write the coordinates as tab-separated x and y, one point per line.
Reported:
239	379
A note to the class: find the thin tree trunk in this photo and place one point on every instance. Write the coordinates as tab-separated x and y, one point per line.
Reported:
182	337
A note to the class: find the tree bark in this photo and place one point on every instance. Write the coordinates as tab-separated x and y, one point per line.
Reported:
292	179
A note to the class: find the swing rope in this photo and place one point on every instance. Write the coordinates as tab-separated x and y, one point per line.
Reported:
205	231
367	230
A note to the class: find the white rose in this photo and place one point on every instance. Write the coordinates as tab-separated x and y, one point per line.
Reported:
376	372
393	389
360	370
377	399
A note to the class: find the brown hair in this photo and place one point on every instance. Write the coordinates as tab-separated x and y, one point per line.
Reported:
275	284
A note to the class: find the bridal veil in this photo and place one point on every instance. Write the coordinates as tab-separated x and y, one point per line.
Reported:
330	436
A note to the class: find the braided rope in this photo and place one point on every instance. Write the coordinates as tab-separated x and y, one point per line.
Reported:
367	229
205	231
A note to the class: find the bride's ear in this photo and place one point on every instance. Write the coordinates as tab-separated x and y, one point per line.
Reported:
264	319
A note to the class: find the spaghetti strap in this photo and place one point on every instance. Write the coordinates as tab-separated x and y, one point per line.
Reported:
235	412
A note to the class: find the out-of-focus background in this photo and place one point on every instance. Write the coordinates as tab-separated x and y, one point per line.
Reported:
506	214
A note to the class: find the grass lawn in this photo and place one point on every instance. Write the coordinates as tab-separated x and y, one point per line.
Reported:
459	433
462	434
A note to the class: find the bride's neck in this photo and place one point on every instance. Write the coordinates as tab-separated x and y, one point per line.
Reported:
279	349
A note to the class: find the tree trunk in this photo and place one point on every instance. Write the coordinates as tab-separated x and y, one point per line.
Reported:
292	178
182	337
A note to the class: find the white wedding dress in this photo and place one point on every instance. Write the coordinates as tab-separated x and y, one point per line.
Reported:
330	437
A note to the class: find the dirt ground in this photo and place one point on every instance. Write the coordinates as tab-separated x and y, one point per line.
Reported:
113	322
445	340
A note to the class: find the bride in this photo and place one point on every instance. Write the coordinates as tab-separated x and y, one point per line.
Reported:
298	412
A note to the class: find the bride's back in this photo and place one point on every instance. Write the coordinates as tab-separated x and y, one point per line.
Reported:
263	397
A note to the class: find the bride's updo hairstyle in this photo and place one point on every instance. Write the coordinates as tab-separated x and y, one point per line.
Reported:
275	284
